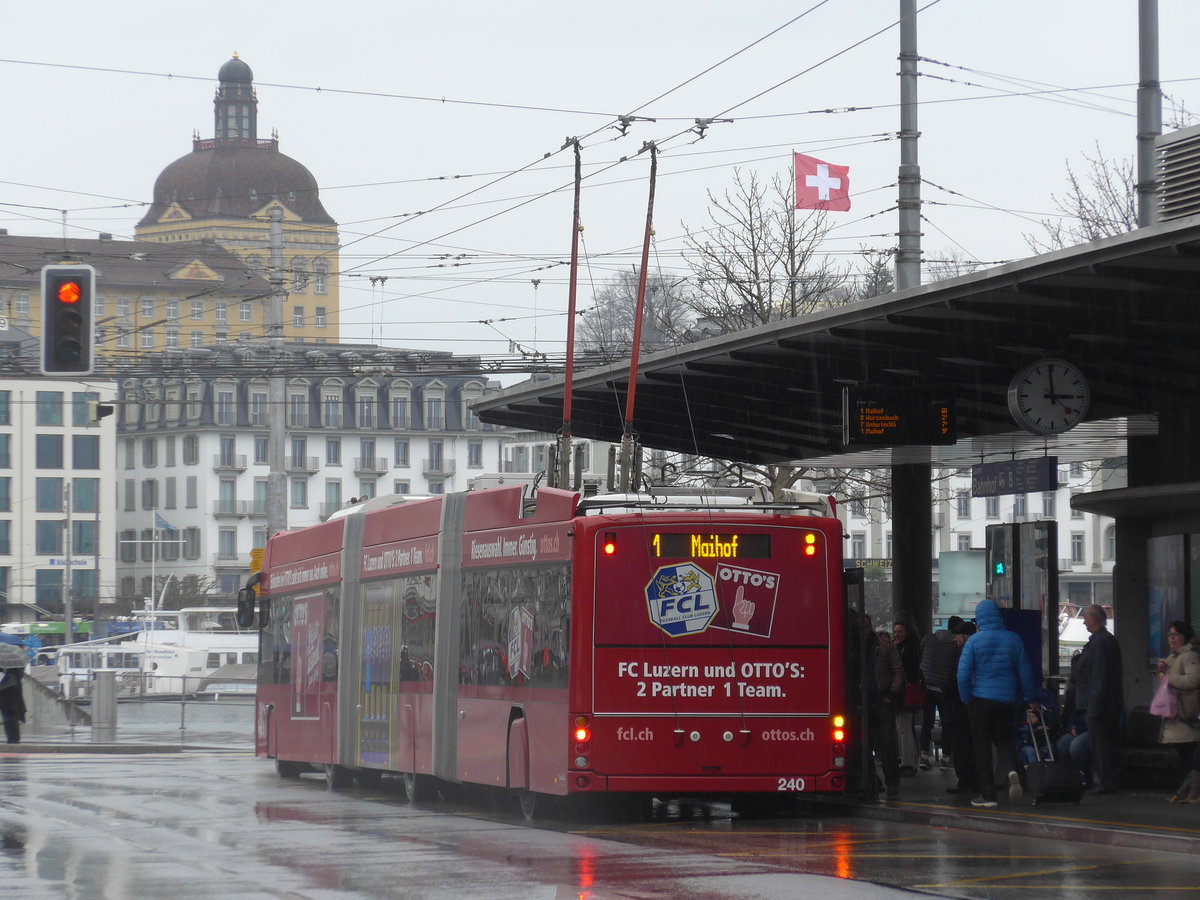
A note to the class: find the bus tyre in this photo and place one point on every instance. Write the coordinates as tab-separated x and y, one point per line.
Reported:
528	801
337	777
286	768
418	788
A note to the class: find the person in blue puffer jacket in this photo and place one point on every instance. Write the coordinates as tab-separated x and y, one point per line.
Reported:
994	676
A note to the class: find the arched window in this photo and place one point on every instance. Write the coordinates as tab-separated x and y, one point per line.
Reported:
1110	542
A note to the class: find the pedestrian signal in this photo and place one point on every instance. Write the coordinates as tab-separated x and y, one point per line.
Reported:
68	319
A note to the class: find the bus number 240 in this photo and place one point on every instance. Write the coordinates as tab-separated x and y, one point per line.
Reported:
790	784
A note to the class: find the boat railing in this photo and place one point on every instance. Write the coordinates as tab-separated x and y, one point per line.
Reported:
79	686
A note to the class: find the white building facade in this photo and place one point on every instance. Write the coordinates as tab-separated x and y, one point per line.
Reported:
193	461
57	497
1086	542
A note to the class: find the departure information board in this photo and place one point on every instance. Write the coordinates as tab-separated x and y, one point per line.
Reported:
890	417
711	546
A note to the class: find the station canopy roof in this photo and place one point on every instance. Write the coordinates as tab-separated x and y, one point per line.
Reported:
1125	310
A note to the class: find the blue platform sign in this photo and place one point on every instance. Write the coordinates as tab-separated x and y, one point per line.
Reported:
1018	476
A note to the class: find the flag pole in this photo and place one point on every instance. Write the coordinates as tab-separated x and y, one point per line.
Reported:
154	559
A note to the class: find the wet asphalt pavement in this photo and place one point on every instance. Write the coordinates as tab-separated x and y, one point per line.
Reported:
220	823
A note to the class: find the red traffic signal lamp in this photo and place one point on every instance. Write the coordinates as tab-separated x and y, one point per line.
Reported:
68	319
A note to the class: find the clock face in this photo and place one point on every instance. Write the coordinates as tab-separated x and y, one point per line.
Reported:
1048	397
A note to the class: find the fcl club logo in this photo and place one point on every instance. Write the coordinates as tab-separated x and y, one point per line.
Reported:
681	599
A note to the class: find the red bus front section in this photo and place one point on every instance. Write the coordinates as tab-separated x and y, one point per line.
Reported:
297	698
713	662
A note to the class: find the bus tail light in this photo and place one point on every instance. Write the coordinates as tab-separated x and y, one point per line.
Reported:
810	544
839	735
582	734
610	543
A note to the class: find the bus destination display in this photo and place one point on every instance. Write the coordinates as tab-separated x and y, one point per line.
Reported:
891	417
711	546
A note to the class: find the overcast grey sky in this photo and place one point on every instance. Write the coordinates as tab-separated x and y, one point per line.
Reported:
437	105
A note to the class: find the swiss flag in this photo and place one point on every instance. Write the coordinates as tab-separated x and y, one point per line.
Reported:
821	185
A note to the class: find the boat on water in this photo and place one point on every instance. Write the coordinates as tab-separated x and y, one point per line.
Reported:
162	654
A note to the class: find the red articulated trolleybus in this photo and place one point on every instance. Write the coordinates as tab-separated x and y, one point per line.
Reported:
628	645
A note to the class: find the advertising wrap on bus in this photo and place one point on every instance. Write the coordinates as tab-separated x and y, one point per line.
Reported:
506	638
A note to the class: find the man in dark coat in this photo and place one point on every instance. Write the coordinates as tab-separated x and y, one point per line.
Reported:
955	717
12	704
1099	690
886	691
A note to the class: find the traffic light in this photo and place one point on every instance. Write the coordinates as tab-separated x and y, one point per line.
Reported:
68	319
97	411
998	569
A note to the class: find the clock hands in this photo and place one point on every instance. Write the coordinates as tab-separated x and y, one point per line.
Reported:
1053	396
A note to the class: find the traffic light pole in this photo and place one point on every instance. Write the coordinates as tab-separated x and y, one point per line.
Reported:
68	600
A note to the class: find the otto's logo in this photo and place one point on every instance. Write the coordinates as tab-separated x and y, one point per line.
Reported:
681	599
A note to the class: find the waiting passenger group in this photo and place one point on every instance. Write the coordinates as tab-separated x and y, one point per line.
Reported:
996	719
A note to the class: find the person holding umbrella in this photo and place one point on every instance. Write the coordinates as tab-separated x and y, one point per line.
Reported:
12	698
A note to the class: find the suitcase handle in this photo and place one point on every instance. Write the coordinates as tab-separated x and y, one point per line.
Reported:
1045	732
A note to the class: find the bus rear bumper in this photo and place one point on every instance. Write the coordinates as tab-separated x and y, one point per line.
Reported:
590	782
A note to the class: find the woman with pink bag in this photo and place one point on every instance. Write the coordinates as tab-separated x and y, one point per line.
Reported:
1177	700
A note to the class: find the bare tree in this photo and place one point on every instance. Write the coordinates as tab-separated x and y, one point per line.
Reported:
606	329
759	261
951	265
1101	200
876	275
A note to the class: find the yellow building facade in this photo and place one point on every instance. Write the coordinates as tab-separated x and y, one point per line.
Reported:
223	193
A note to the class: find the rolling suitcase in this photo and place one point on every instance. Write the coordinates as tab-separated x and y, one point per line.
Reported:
1050	780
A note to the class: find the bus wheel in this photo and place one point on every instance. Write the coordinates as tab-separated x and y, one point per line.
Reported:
337	777
529	803
285	768
418	788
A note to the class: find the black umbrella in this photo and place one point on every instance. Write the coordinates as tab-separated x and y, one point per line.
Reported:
12	656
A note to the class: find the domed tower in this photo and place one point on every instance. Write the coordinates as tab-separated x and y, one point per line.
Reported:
224	191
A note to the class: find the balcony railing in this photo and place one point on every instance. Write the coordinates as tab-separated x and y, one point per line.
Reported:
328	509
305	465
370	465
230	509
437	467
257	508
229	462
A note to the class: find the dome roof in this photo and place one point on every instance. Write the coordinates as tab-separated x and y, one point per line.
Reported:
238	181
236	70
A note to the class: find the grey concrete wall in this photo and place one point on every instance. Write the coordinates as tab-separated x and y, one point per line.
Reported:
47	710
